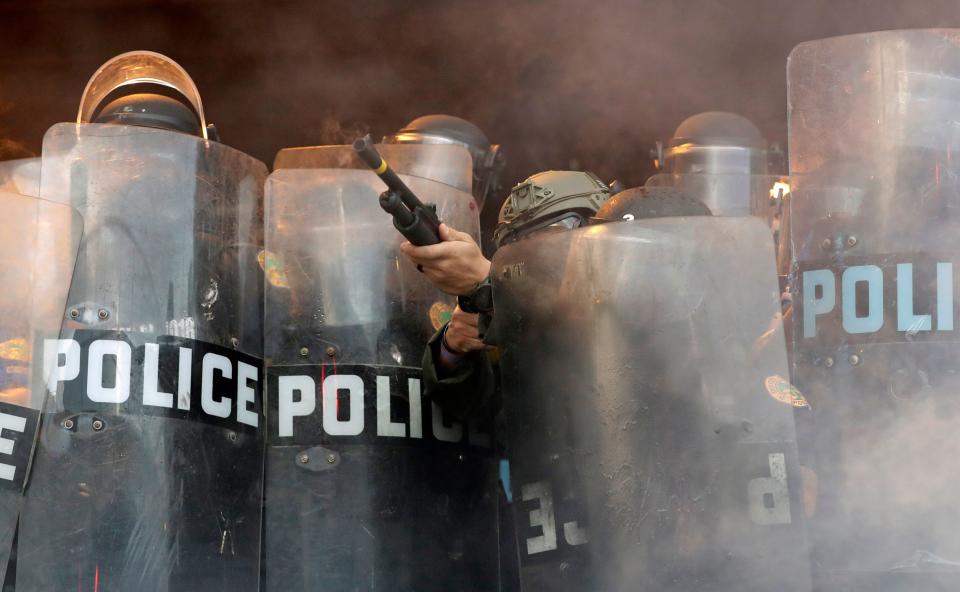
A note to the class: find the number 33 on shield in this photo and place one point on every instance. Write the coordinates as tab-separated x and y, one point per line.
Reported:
543	518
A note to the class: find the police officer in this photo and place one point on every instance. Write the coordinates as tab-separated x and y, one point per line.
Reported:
458	366
488	160
167	278
723	160
456	372
635	416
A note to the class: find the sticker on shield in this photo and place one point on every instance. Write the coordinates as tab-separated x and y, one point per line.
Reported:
781	390
440	314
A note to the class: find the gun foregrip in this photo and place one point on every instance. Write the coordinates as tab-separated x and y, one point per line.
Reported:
392	204
416	226
420	233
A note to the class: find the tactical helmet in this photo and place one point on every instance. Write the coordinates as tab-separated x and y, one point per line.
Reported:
651	202
563	198
488	161
146	89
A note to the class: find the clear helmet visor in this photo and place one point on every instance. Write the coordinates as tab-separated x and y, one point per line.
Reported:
139	67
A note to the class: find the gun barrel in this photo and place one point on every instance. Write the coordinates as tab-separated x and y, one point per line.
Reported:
364	149
368	154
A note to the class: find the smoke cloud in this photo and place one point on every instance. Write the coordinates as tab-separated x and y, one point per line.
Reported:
560	84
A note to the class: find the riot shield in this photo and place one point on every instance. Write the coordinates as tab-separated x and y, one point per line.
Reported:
148	470
651	431
39	242
451	165
368	485
20	176
874	130
731	194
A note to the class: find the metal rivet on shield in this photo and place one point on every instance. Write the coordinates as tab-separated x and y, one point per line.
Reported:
851	241
303	458
103	314
304	351
331	351
68	424
854	359
234	342
826	243
331	458
97	425
232	436
74	313
828	362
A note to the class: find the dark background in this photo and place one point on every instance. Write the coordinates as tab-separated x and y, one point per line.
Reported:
560	84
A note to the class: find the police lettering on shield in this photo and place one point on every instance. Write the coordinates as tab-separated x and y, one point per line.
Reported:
176	377
895	298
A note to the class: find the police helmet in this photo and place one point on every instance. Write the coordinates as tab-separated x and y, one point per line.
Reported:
488	160
552	198
147	89
716	142
651	202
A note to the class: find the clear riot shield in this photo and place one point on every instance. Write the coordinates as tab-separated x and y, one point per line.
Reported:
148	471
20	176
447	164
651	428
731	194
368	485
38	242
874	134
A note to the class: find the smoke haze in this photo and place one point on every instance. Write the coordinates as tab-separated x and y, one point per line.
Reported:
559	84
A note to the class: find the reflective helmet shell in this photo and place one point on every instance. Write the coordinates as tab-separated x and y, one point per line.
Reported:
143	88
716	142
488	161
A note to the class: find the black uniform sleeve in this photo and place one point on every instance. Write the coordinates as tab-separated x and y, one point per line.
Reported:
465	391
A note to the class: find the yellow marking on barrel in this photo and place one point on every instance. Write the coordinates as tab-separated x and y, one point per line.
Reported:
382	168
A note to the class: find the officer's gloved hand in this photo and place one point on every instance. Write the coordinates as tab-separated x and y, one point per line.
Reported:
456	265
